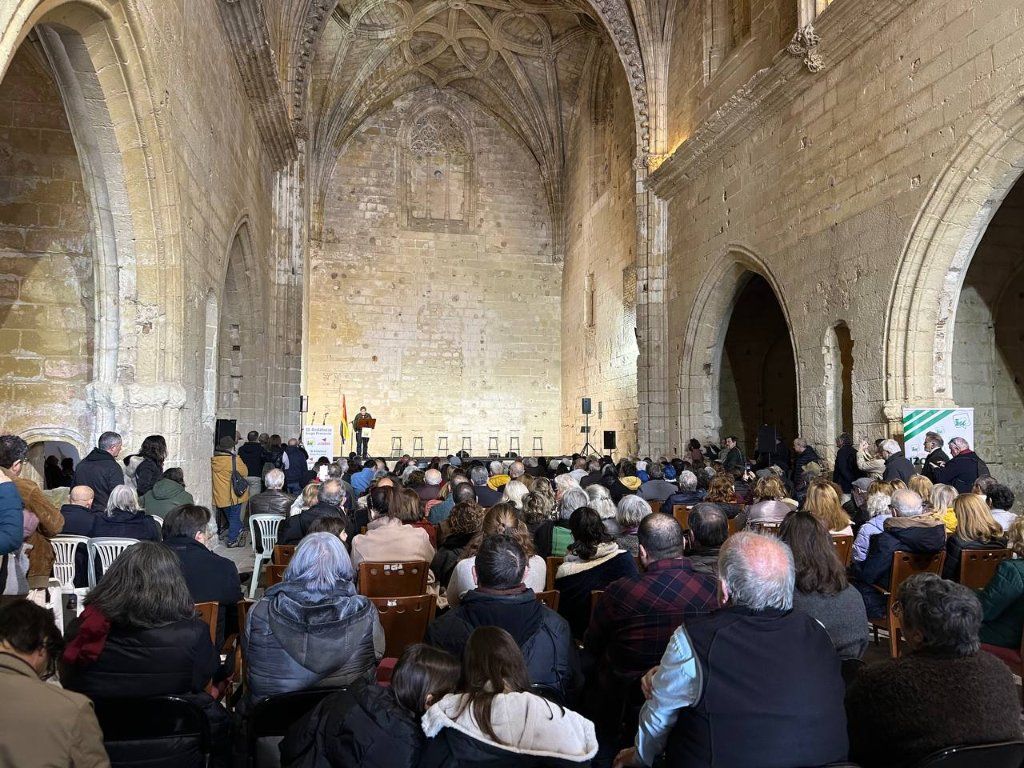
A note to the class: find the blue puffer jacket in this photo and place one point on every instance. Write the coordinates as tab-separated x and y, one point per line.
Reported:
296	639
11	525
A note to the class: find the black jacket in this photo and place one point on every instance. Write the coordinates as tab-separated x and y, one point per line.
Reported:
845	470
211	579
364	727
800	460
542	634
486	496
877	566
101	472
146	476
78	522
955	547
542	536
126	524
271	503
932	462
961	471
295	527
898	467
686	498
255	456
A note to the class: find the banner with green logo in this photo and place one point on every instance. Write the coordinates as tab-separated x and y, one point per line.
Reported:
948	422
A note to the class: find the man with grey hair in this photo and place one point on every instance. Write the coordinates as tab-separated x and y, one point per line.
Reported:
897	465
330	499
563	483
772	688
100	470
579	469
553	536
430	489
963	469
908	530
486	496
593	476
517	471
803	454
688	493
273	501
936	457
657	489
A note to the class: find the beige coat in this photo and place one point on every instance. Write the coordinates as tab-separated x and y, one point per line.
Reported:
388	540
44	724
223	494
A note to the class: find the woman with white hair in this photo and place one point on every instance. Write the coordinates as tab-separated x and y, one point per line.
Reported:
601	502
514	493
124	518
630	511
312	630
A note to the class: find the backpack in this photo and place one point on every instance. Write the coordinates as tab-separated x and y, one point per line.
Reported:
238	483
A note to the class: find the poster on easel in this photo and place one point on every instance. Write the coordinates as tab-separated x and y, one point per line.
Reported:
948	422
318	441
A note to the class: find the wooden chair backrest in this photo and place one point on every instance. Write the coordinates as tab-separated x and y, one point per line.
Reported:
906	564
275	574
404	620
549	598
552	563
844	548
208	613
283	554
734	525
398	579
978	566
681	513
771	529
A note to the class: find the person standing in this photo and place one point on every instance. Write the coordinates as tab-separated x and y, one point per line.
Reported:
255	457
293	461
225	498
936	458
734	458
963	469
845	470
100	470
362	443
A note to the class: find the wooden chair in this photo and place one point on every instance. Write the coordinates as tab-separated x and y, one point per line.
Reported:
904	565
393	579
681	513
283	554
552	562
549	598
978	566
766	528
404	620
844	548
734	525
208	613
274	574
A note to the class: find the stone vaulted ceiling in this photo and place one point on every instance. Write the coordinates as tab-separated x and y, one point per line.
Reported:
525	62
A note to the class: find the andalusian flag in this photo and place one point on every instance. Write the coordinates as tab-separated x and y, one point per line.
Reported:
346	428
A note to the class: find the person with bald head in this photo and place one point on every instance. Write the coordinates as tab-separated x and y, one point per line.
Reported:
78	515
752	683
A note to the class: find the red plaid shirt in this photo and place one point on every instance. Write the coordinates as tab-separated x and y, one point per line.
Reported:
635	617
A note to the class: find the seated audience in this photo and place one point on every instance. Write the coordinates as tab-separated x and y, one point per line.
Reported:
362	479
1002	599
688	494
273	501
975	529
460	490
167	493
709	528
312	630
626	483
388	539
632	621
375	726
593	475
554	536
495	721
210	577
657	489
502	599
500	519
628	515
486	496
307	497
330	499
771	692
999	498
405	506
43	725
856	505
593	561
498	476
600	500
879	509
430	489
943	692
77	513
941	505
722	493
822	591
455	534
513	493
908	530
124	519
823	502
921	485
768	506
538	509
563	483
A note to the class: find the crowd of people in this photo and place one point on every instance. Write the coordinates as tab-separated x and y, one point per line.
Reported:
734	640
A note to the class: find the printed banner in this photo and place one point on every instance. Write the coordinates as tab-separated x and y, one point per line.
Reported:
948	422
319	441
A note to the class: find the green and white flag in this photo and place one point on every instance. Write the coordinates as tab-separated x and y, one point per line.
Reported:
948	422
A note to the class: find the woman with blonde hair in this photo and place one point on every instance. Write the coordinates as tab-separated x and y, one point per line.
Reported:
823	502
975	529
305	500
722	492
922	486
514	492
769	505
501	518
1002	599
942	498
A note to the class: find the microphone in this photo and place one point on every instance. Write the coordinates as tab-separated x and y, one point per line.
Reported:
322	423
313	419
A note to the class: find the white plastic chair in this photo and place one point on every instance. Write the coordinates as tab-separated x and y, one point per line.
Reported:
107	548
65	548
267	526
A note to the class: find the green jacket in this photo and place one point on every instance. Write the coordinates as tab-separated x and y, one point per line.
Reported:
1002	601
165	496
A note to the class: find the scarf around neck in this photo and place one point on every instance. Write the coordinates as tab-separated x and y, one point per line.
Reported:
91	638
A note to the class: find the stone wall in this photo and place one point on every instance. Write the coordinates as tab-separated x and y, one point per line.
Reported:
599	347
434	295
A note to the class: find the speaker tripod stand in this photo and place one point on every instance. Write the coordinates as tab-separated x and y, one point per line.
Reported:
587	449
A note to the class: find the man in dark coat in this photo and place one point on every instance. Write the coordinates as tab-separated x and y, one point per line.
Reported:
897	465
963	469
78	520
254	455
845	470
734	458
936	458
330	499
100	470
210	577
803	454
296	474
502	600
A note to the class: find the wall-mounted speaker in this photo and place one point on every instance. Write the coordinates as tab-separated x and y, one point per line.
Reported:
586	406
609	439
